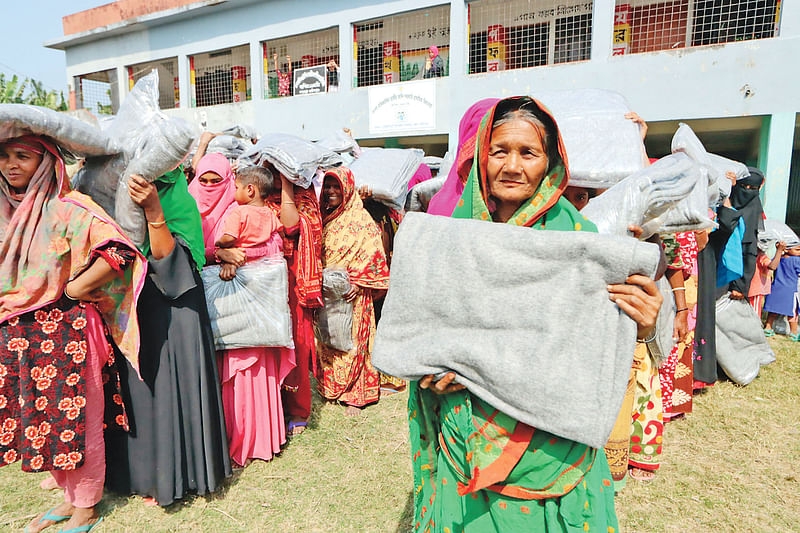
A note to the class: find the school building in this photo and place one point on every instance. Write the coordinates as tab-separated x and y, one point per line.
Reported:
722	66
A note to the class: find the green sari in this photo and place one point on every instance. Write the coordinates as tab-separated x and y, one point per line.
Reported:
476	469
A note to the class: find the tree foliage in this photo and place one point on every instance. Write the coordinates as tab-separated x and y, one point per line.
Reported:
29	91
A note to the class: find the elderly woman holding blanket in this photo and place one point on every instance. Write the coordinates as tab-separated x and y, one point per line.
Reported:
477	469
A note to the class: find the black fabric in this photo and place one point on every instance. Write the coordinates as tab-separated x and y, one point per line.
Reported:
705	353
747	202
177	442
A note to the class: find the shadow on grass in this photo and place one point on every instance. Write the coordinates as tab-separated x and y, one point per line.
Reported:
404	526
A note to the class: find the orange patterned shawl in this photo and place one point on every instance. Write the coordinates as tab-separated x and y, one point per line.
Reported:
352	239
46	239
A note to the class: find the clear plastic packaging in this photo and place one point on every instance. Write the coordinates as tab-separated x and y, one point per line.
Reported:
242	131
774	232
334	324
661	346
421	194
152	144
295	158
69	132
252	309
742	348
603	147
645	197
228	145
387	172
339	142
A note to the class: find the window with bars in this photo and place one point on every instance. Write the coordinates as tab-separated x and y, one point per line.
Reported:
169	96
220	77
512	34
407	46
285	59
648	26
98	92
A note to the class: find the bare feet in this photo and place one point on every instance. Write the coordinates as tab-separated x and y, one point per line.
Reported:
49	483
352	410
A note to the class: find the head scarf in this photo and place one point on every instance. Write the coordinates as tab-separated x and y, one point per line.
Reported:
423	173
181	214
748	203
215	199
435	50
309	244
47	236
446	199
351	238
547	200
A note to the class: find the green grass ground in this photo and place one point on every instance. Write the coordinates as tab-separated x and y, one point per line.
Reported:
731	466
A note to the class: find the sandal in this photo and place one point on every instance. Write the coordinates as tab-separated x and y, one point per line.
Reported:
52	517
795	337
82	529
769	333
290	432
641	474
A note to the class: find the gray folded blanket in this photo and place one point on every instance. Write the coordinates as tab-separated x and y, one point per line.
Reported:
742	348
521	316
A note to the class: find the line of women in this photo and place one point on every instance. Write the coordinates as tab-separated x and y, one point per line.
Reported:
108	370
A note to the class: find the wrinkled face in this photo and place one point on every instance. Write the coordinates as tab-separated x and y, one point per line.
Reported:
331	193
577	196
18	166
517	162
209	178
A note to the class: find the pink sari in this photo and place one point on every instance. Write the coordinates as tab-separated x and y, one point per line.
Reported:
446	199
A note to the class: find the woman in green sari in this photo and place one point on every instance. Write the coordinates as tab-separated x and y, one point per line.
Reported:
477	469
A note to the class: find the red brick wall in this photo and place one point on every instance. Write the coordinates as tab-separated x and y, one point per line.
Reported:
116	12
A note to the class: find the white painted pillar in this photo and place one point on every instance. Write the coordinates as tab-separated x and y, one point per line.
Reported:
459	66
256	71
184	83
346	51
602	29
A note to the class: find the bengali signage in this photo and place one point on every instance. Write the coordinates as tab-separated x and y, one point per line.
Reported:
402	107
310	80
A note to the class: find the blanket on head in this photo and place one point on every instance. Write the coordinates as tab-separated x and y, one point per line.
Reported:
523	319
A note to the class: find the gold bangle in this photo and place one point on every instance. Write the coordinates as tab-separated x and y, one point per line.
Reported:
157	224
287	202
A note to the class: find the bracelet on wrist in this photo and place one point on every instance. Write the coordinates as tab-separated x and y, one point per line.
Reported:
678	289
649	339
68	295
681	310
157	224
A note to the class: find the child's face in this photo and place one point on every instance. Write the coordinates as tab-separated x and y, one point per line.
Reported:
242	194
793	251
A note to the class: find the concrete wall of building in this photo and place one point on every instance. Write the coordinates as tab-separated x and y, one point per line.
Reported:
729	80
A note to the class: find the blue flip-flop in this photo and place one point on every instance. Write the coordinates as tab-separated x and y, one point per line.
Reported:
293	425
52	517
82	529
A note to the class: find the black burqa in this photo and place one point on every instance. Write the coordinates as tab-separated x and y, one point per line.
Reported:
747	206
177	443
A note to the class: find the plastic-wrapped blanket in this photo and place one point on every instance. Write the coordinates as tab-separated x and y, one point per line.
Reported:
603	147
644	197
295	158
69	132
339	142
387	172
664	341
152	145
252	309
500	306
228	145
420	195
774	232
242	132
742	348
334	324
